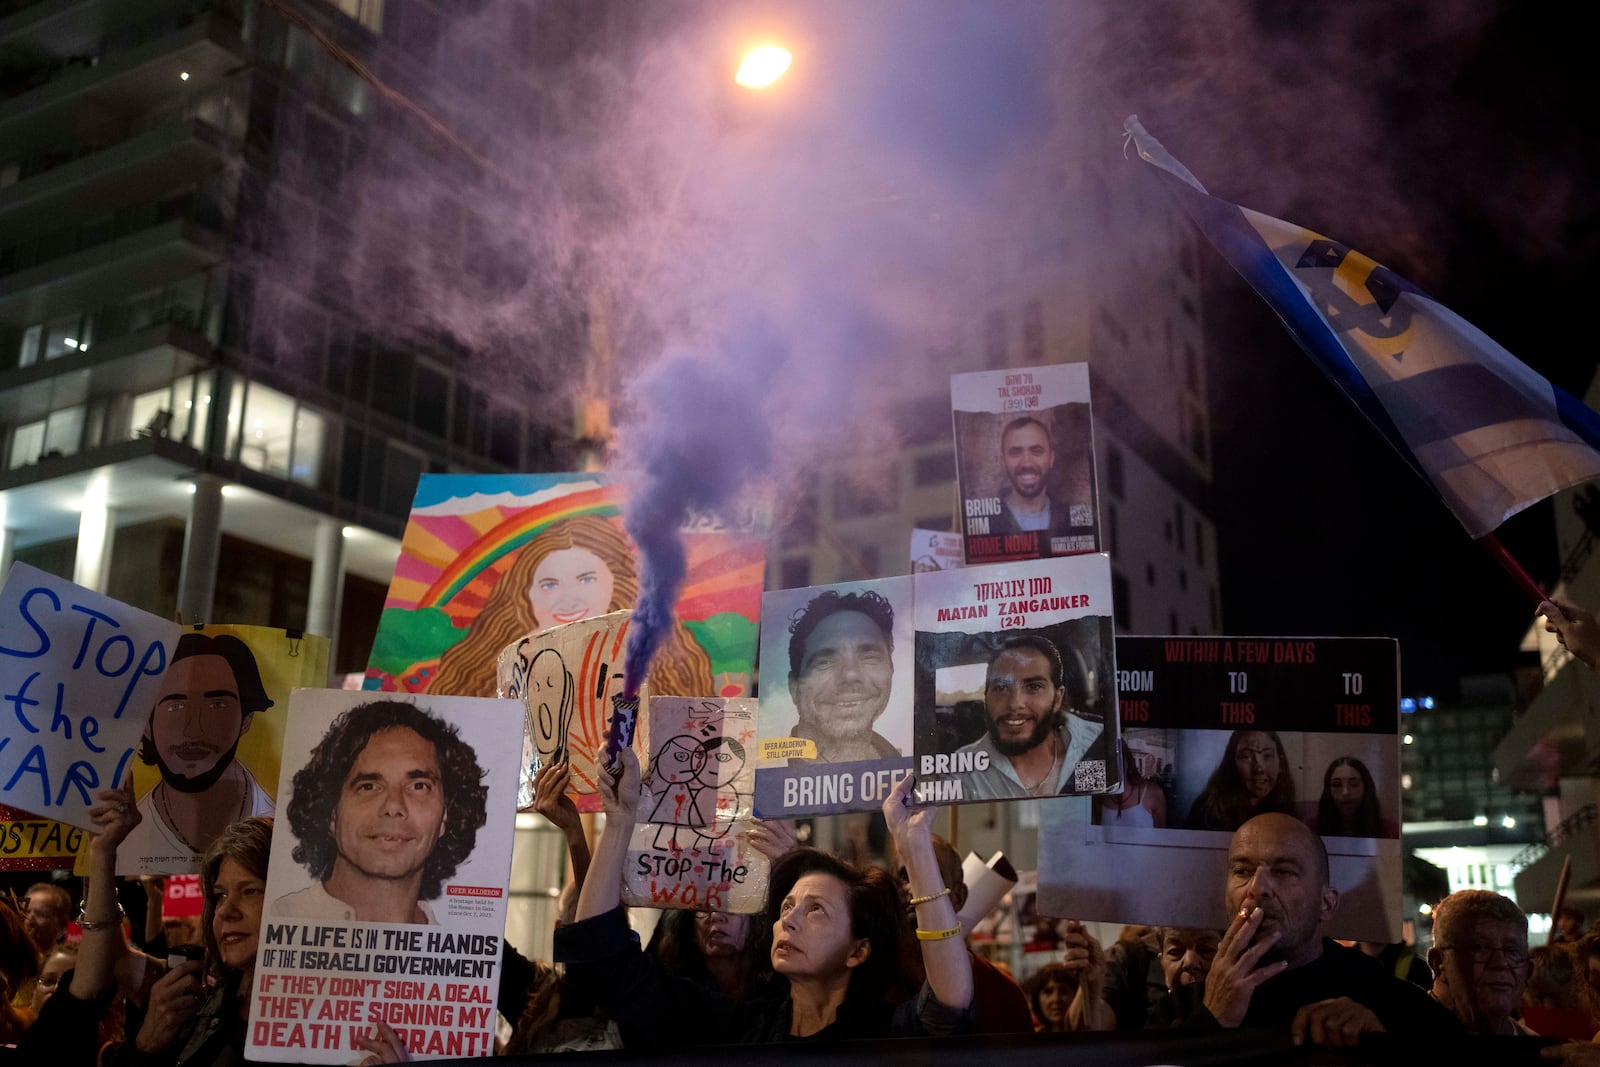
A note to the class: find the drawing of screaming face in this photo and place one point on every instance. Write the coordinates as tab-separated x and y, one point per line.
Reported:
550	703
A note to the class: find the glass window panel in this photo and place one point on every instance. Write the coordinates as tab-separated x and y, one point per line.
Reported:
61	335
235	420
310	431
29	355
268	423
146	407
63	431
193	421
26	444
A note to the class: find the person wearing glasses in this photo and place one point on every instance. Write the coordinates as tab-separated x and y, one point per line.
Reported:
1480	960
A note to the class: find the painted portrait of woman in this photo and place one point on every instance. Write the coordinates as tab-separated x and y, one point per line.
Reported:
573	569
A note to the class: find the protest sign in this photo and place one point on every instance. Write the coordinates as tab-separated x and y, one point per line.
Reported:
28	843
836	697
935	550
180	898
386	889
486	559
1217	730
688	850
78	673
1025	462
210	753
565	677
1015	690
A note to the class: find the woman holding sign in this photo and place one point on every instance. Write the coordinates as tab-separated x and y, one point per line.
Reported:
835	939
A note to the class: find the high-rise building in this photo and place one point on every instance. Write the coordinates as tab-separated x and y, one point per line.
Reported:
1111	280
190	418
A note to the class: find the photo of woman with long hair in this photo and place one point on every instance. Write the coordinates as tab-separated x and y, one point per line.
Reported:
1253	777
573	569
1349	804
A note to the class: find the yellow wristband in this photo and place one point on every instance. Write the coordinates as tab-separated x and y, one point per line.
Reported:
931	896
939	935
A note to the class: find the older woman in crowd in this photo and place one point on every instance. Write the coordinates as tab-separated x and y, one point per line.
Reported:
1480	960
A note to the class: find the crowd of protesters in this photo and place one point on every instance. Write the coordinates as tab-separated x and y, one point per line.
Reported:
840	951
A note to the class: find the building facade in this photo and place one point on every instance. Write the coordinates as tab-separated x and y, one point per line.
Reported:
190	418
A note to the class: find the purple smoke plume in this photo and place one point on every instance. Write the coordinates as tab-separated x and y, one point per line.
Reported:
703	438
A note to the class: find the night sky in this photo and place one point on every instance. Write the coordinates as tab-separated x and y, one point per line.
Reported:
1468	166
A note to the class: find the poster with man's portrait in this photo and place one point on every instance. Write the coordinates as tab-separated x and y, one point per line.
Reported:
1025	462
1016	695
1218	730
836	694
210	749
386	888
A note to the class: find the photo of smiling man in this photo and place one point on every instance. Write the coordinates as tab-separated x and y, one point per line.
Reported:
383	813
391	858
836	695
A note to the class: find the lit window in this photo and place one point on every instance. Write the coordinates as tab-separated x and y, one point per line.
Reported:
26	444
265	430
310	431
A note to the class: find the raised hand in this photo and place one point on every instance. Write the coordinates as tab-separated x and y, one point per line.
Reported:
550	798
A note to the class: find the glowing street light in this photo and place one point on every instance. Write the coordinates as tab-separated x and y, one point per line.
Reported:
763	67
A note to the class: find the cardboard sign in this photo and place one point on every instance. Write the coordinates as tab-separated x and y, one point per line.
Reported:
401	812
1015	681
28	843
210	754
836	697
486	559
935	550
78	673
566	677
1025	462
688	850
1217	730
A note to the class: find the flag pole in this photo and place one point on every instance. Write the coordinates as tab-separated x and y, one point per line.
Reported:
1513	568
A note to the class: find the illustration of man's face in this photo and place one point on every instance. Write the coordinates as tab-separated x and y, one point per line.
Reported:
391	807
1022	700
845	675
1028	458
197	722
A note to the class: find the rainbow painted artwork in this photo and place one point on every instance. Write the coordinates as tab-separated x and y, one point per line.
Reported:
486	559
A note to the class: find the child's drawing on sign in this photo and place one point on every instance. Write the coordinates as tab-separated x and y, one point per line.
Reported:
687	779
690	850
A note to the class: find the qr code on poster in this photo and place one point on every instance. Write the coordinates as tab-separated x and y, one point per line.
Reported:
1081	515
1089	776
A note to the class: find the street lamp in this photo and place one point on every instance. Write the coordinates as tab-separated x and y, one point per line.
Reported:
763	67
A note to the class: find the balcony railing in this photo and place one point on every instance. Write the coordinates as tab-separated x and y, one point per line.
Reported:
20	80
103	136
200	207
1564	831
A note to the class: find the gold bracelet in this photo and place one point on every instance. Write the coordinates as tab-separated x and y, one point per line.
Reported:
939	935
931	896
